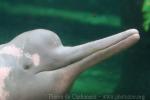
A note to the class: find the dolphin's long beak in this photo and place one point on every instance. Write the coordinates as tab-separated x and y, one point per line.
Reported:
80	52
86	55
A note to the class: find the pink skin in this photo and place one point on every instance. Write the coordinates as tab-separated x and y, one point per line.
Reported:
4	72
17	52
35	59
12	50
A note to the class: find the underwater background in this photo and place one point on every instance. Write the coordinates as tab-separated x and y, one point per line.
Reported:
81	21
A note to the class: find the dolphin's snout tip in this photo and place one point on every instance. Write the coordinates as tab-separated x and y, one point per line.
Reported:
133	31
136	36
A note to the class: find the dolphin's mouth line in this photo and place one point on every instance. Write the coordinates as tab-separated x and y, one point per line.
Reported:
115	43
110	46
104	48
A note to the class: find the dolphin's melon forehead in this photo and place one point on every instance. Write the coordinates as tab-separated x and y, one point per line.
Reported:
43	36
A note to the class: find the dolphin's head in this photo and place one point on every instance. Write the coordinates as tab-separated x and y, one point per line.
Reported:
90	53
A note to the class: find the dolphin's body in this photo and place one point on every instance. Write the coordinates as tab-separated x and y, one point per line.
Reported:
35	64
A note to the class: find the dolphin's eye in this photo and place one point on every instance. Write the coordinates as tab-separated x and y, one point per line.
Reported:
26	67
